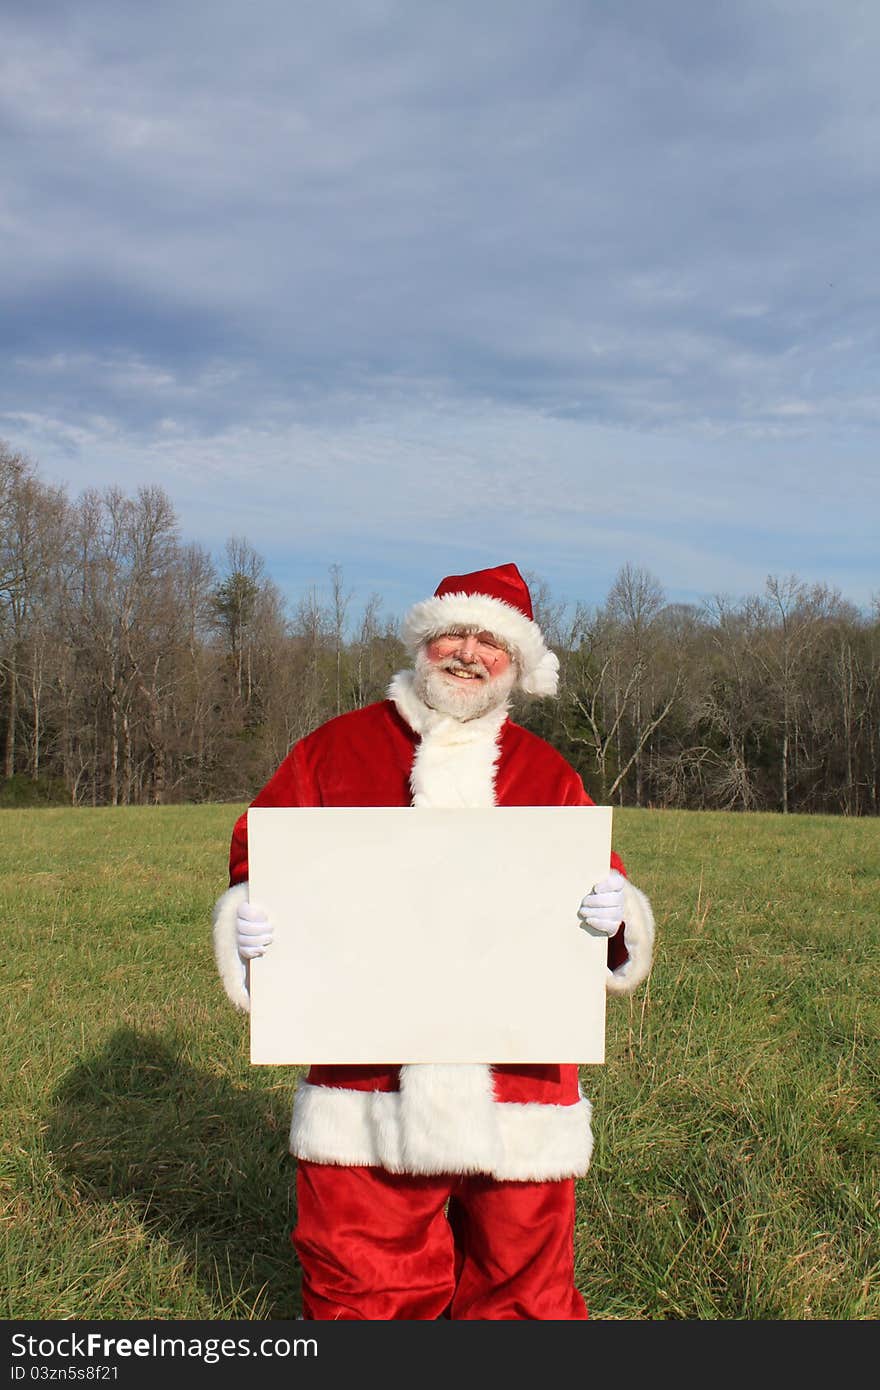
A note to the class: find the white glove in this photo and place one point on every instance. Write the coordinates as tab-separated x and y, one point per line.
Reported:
602	908
253	930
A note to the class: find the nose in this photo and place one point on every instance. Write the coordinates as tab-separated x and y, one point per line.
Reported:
467	646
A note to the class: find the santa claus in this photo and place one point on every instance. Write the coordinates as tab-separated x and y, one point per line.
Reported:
440	1191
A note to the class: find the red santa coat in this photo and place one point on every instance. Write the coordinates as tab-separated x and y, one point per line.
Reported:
510	1121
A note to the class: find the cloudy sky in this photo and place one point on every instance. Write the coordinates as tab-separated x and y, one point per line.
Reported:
417	286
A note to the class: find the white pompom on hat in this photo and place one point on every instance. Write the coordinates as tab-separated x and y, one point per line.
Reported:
493	600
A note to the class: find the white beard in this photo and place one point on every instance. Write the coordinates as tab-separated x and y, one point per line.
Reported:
461	699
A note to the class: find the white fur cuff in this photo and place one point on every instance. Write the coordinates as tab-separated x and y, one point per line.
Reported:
638	935
232	968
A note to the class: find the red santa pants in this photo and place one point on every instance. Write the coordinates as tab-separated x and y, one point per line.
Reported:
381	1246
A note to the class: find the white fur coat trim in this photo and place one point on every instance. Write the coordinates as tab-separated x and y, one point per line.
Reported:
455	761
638	934
444	1119
233	971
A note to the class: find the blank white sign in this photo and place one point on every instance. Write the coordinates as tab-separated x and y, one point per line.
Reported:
425	935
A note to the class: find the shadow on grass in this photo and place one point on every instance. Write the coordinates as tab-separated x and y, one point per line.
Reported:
204	1164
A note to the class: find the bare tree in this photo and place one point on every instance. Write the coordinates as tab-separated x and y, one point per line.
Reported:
32	536
635	602
365	652
795	617
616	696
134	671
235	603
340	601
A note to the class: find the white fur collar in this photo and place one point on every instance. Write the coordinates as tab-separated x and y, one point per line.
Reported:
424	720
455	760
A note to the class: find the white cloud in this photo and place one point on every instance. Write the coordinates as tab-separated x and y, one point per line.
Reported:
576	499
403	266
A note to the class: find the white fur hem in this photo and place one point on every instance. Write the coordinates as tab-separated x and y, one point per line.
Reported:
232	968
638	935
444	1119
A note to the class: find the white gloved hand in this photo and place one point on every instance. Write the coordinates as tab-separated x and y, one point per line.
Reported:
253	930
602	908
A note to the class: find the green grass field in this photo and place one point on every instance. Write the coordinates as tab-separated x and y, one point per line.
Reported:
145	1171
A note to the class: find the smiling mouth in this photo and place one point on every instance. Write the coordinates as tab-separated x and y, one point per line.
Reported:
465	675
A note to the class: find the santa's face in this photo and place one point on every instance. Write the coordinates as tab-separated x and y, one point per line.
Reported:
464	674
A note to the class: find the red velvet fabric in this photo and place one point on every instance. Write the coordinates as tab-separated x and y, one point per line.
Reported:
546	1082
381	1247
504	582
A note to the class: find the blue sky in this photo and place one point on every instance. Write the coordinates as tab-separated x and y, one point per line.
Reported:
416	287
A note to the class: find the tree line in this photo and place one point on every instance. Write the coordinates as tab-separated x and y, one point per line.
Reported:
136	670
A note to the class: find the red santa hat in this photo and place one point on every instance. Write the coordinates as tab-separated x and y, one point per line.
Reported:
494	600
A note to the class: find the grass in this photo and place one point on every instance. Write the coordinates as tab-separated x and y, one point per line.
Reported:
145	1171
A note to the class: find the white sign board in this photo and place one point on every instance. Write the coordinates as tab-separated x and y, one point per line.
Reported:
424	935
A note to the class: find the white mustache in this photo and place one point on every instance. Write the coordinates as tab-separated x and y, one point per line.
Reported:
454	663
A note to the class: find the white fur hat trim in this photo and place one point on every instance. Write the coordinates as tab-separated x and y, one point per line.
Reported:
539	667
